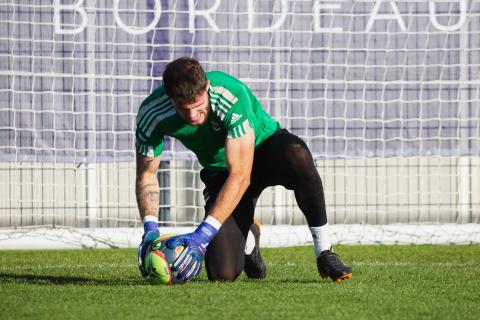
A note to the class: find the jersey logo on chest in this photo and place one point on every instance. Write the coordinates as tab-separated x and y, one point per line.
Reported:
216	125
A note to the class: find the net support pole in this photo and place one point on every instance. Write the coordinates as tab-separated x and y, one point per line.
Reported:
173	189
279	192
91	185
464	162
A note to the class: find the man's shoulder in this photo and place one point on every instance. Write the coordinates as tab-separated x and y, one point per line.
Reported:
228	86
153	110
217	75
158	92
222	79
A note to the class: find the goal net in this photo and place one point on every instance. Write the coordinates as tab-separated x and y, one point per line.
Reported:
385	93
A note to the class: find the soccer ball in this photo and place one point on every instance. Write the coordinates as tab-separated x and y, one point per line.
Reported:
159	260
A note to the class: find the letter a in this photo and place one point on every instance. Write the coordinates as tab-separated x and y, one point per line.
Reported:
375	16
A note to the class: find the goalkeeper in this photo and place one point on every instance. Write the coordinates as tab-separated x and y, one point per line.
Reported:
242	151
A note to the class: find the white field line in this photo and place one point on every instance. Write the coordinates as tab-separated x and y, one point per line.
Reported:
269	264
413	264
391	264
71	266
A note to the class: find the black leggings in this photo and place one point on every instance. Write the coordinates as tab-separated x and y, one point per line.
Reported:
283	159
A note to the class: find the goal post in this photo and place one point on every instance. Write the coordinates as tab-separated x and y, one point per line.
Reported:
385	93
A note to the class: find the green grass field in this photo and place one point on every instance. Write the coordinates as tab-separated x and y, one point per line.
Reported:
389	282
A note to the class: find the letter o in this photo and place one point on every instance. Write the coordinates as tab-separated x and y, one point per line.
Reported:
137	30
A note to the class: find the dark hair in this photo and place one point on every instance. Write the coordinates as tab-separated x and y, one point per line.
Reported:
184	79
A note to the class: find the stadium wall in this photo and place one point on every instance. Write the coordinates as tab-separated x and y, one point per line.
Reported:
358	191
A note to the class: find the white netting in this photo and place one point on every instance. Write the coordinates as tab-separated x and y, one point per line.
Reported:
385	93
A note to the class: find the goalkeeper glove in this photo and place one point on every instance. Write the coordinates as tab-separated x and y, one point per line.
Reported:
151	232
189	263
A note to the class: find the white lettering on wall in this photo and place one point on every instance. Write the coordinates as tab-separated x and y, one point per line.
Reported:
461	20
77	7
275	26
375	16
192	13
78	13
133	29
317	6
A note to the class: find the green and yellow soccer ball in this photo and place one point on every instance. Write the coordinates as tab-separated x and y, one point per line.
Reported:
159	260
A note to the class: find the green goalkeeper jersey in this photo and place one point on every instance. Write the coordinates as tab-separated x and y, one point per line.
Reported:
233	108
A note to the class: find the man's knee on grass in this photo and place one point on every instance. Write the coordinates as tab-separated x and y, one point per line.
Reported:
223	274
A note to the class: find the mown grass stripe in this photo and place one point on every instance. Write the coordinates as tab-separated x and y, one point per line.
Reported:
394	282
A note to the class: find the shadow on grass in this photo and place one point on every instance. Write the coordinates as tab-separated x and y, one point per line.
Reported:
272	280
65	280
68	280
299	281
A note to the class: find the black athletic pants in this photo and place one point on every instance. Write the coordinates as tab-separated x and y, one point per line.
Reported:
282	159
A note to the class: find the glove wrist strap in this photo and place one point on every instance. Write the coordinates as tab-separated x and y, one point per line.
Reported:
207	230
150	223
213	222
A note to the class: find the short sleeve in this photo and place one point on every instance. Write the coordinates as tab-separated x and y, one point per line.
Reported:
148	149
151	114
237	122
148	139
234	109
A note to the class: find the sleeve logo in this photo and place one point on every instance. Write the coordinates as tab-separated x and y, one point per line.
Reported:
150	152
235	118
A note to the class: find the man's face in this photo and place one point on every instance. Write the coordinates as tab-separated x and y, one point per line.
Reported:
195	113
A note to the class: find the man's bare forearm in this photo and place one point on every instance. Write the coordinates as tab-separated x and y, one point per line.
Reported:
239	156
146	186
148	195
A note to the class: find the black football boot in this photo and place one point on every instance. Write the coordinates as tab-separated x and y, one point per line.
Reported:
330	265
254	266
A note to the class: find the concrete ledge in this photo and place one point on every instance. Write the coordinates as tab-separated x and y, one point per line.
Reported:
272	236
